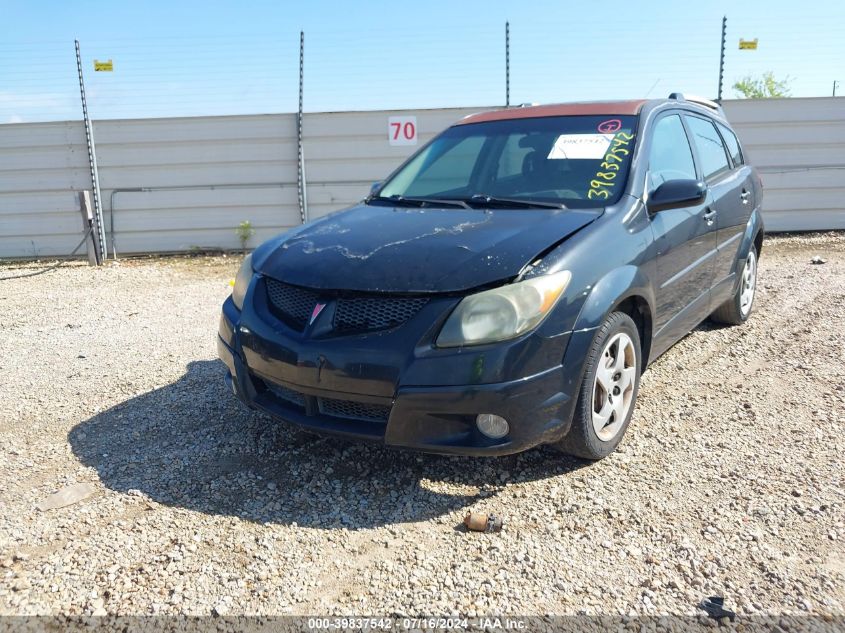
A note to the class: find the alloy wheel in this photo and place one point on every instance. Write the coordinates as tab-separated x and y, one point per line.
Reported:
749	283
613	389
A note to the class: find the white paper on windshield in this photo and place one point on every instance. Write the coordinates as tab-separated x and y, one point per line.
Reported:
576	146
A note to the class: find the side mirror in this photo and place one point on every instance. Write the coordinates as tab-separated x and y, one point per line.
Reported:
374	187
674	194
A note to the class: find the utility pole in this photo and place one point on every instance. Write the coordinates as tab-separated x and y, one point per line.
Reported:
100	242
722	58
507	64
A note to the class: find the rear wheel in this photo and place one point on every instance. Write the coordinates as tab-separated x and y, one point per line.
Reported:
608	391
737	309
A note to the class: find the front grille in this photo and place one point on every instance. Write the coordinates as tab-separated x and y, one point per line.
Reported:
374	313
295	305
353	410
291	304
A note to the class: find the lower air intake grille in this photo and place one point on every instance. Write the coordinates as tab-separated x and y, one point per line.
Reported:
346	409
289	395
375	313
353	410
291	304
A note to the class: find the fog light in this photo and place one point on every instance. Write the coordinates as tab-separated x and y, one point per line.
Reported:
493	426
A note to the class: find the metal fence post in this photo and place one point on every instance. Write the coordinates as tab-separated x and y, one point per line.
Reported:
300	154
92	163
507	64
722	58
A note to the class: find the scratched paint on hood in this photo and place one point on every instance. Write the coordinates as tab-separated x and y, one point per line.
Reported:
385	249
307	246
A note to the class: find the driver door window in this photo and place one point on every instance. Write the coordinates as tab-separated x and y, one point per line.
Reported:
683	238
670	156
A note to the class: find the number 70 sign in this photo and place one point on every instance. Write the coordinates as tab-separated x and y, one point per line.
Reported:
402	130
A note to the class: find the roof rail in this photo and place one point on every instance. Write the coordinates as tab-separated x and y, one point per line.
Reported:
707	103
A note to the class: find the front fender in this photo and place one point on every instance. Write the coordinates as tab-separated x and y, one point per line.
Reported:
611	290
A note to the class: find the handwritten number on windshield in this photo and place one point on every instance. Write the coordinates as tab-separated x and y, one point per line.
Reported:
602	184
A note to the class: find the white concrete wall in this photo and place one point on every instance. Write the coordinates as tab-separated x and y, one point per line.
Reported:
798	145
42	166
203	176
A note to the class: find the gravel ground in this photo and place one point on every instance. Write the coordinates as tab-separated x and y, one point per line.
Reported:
728	482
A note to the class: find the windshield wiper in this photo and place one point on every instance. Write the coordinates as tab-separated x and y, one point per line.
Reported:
482	199
403	201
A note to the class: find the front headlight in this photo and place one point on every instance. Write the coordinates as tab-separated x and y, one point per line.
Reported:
242	280
503	313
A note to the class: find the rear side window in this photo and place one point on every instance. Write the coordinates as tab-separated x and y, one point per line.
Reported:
732	143
670	156
711	150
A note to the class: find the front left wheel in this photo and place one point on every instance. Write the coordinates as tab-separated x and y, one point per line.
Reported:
608	391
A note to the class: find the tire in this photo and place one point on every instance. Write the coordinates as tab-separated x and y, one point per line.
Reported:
594	434
737	309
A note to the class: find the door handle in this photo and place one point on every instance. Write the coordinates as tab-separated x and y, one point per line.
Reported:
709	215
744	196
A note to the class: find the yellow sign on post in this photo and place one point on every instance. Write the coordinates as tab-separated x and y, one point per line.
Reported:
103	66
748	45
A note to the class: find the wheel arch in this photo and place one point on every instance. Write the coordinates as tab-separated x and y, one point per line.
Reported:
625	289
636	307
758	241
753	235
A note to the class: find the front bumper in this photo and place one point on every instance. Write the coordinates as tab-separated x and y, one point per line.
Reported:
429	419
269	375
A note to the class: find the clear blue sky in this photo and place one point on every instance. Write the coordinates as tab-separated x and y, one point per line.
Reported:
184	58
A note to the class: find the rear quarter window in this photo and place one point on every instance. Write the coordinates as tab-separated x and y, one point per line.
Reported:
733	144
711	150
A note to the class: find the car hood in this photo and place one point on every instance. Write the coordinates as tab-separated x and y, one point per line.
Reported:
397	249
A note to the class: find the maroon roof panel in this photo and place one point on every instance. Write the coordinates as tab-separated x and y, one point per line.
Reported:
561	109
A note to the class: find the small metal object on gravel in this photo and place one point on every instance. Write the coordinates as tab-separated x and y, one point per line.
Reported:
817	260
481	522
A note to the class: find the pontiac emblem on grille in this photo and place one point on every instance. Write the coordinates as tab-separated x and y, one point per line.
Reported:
316	312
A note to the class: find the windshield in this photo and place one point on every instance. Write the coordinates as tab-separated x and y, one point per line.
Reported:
576	161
